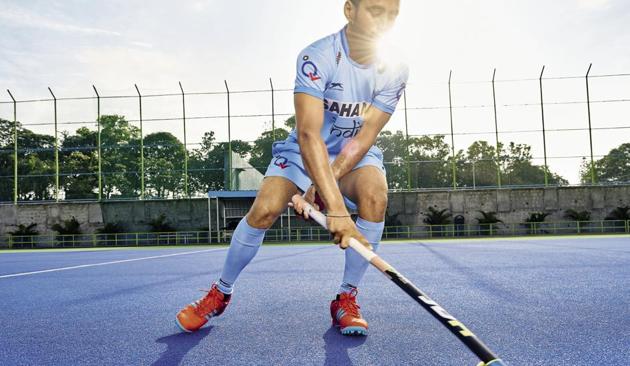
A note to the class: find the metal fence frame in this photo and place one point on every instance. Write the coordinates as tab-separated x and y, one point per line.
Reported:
316	234
273	115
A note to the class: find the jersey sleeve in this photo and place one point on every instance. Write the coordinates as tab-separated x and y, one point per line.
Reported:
313	72
387	98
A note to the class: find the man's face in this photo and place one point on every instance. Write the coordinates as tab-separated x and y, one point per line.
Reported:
373	18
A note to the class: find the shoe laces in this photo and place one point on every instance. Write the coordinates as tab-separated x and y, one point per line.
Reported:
348	302
209	303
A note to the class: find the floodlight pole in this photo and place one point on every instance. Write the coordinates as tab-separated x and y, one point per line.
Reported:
56	147
496	129
15	150
141	145
450	108
229	126
542	110
185	141
98	141
590	130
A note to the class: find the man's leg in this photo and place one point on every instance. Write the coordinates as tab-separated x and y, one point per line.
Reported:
367	187
270	202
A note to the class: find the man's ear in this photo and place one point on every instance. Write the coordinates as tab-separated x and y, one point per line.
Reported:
348	10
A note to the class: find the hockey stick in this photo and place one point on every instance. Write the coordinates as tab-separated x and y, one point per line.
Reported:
487	357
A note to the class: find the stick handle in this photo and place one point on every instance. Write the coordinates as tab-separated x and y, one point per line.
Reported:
320	218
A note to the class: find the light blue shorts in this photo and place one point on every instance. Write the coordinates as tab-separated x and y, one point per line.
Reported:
288	163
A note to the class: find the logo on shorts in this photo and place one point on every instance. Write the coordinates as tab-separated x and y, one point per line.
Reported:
309	69
281	162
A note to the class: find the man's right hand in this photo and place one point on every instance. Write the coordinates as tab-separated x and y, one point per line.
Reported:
343	228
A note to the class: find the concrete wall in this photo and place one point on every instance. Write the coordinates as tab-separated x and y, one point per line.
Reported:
512	206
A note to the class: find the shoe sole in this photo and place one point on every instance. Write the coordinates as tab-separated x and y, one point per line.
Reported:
354	331
179	325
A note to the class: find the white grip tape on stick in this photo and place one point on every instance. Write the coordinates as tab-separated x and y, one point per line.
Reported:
320	218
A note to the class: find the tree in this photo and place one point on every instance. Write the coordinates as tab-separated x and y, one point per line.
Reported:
163	164
614	167
79	164
120	146
521	171
260	154
36	165
480	166
207	164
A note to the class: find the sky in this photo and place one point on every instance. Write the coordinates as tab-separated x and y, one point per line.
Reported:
71	45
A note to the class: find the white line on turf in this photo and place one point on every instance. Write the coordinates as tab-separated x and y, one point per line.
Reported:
106	263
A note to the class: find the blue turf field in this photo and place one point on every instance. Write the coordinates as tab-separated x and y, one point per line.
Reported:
552	301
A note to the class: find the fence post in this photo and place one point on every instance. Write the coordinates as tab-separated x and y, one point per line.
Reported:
542	110
590	131
407	140
15	150
185	142
229	126
273	112
450	108
141	145
56	148
98	142
496	129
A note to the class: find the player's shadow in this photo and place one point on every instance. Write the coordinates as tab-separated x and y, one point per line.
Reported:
178	345
337	346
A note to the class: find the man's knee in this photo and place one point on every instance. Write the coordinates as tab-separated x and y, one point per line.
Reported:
373	200
262	216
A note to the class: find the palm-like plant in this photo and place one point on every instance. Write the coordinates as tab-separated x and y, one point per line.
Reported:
437	217
537	217
25	230
159	225
486	221
574	215
488	218
69	227
620	213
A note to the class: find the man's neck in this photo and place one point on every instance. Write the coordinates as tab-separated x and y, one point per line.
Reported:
361	49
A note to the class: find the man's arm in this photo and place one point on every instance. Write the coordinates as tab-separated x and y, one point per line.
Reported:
309	114
373	122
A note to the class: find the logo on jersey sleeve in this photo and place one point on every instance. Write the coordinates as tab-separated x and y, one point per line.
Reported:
310	70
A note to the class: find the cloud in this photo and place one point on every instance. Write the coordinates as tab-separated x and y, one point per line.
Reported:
594	4
25	18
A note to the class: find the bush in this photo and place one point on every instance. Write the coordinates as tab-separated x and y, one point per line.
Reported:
437	218
486	222
159	225
111	228
574	215
69	227
534	219
23	236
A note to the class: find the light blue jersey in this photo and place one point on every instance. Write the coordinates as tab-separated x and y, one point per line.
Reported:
326	71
